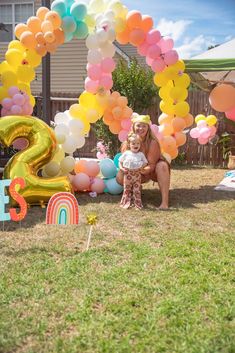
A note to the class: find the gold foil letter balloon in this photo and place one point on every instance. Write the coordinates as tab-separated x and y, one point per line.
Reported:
26	163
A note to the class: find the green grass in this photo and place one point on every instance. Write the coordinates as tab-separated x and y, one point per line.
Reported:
151	281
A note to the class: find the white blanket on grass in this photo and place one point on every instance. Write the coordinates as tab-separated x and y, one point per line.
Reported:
228	183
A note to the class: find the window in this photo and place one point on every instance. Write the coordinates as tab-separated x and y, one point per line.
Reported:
11	15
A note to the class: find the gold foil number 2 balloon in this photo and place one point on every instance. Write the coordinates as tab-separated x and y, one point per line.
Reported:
27	162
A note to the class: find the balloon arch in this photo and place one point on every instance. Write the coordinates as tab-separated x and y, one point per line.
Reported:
100	22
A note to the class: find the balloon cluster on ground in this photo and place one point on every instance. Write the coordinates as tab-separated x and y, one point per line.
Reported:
205	129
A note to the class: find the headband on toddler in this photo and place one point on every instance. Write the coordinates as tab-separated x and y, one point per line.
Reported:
136	118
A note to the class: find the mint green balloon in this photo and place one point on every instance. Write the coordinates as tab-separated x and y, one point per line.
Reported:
81	31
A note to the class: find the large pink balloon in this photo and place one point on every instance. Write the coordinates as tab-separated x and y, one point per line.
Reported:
81	182
91	86
106	81
126	124
166	44
171	57
108	65
153	36
222	98
194	133
92	168
94	72
122	136
231	114
98	185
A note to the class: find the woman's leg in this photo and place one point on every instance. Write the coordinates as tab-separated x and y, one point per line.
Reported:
163	177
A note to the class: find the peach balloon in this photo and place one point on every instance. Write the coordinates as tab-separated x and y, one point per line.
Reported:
123	37
28	40
34	24
47	27
178	124
41	12
134	19
51	47
180	138
98	185
165	118
49	37
117	112
222	97
108	118
127	112
168	142
54	18
20	29
122	102
59	36
115	94
188	120
137	37
115	127
41	49
80	166
40	38
92	168
147	23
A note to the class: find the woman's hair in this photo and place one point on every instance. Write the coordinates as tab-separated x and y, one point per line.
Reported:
144	144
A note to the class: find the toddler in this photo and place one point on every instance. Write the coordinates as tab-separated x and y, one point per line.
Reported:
131	162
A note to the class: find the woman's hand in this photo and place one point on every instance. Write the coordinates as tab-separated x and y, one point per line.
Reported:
146	170
123	169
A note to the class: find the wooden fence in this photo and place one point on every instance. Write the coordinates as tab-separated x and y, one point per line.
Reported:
192	152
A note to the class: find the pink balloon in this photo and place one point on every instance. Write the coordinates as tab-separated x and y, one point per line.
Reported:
5	112
213	131
26	97
159	136
202	141
7	103
149	61
81	182
122	136
143	48
27	109
230	114
154	129
158	65
108	65
201	123
171	57
106	82
20	143
194	133
91	86
154	51
18	99
126	124
101	155
204	132
13	90
16	110
94	72
98	185
166	44
92	168
153	36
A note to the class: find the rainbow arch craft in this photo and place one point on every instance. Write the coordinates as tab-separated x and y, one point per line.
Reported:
62	209
100	22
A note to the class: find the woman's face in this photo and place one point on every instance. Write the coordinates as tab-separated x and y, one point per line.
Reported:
141	129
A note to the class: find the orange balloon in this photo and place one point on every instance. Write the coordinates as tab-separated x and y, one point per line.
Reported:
40	38
19	29
80	166
178	124
51	47
59	36
34	24
54	18
115	127
41	12
122	102
115	94
168	142
47	27
137	37
112	102
127	113
189	120
222	97
165	118
108	118
173	153
147	23
117	112
41	49
49	37
167	129
134	19
180	138
123	37
28	40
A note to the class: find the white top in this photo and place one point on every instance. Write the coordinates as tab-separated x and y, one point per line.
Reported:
133	160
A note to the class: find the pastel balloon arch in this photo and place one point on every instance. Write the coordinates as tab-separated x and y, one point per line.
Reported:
100	22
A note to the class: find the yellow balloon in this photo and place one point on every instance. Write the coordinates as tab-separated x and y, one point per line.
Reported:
167	107
171	72
180	65
211	120
199	117
32	58
77	111
24	87
32	100
120	25
92	115
15	44
182	109
86	127
26	163
182	80
59	154
178	93
9	78
4	66
87	99
160	79
14	57
90	20
25	73
164	91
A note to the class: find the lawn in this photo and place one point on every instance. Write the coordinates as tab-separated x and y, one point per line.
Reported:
152	281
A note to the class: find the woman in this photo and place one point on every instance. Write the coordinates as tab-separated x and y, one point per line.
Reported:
158	169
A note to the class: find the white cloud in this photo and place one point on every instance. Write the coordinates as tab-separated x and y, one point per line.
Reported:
228	38
175	30
192	47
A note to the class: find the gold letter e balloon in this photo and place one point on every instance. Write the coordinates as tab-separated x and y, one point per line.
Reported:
26	163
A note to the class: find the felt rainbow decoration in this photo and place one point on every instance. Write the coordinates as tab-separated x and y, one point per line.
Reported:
62	209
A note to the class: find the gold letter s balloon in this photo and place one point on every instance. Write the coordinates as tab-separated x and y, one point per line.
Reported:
26	163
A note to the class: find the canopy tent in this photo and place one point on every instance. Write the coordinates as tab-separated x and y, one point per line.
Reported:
213	66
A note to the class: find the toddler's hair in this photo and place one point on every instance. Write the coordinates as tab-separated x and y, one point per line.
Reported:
132	137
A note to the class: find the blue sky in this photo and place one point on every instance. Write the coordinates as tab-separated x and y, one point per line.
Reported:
193	24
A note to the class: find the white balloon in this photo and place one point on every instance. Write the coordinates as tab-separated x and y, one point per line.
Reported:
108	50
94	57
80	141
96	6
51	169
67	164
60	118
109	14
98	18
76	126
111	34
70	144
60	138
61	129
102	35
92	42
